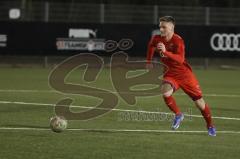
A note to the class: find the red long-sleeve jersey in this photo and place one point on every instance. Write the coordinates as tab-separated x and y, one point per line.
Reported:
173	58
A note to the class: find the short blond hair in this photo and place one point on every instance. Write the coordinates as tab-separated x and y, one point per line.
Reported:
167	19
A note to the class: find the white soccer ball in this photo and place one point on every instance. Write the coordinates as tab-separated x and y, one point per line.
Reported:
58	124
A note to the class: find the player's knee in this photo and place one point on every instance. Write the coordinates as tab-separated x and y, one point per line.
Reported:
200	103
167	93
166	90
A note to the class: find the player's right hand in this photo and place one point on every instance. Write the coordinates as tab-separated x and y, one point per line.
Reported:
161	47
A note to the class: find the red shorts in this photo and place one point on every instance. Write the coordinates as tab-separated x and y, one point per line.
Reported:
187	82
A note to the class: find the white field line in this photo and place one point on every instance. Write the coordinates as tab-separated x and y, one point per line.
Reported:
54	91
121	110
121	130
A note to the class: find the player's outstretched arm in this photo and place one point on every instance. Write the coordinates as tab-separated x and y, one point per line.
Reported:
150	51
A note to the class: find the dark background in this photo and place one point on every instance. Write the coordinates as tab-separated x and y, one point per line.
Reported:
204	3
39	38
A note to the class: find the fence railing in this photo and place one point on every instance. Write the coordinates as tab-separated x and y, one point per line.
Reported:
109	13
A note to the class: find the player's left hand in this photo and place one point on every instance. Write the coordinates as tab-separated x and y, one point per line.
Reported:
161	48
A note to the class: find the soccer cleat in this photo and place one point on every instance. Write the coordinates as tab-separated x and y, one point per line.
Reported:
212	131
177	120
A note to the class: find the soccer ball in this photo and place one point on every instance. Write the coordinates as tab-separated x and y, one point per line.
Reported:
58	124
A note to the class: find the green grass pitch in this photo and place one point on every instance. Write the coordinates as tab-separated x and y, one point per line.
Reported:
29	89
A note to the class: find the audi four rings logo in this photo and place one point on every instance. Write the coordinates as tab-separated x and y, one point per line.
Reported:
225	42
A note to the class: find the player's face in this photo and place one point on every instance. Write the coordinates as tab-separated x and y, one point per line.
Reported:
166	28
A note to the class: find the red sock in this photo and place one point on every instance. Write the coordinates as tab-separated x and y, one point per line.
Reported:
172	104
207	116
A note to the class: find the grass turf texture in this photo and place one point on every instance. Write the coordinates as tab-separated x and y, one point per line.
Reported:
101	144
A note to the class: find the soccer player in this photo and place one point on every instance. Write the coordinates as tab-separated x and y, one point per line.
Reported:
170	47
